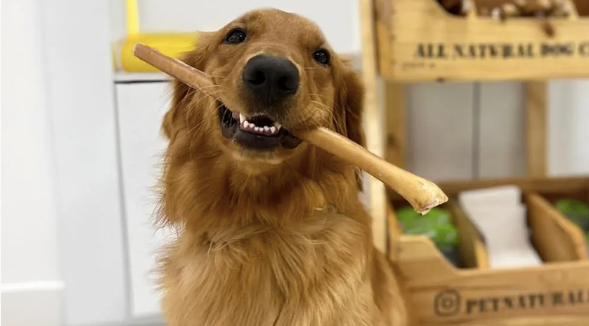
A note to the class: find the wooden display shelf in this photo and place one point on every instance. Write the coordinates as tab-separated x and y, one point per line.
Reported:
394	31
402	41
418	40
555	294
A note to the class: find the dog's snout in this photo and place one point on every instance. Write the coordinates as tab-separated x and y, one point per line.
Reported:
271	79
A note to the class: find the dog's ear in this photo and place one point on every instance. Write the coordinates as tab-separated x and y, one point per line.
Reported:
349	102
181	93
349	105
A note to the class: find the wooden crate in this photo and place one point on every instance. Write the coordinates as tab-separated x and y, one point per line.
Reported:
575	191
418	40
555	294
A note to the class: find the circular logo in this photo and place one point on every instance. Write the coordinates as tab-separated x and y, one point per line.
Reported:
447	303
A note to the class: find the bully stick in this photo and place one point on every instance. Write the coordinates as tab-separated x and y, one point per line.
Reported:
422	194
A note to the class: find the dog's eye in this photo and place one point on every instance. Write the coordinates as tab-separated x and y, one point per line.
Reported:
321	56
235	36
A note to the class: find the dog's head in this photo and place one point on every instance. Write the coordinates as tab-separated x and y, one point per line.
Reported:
276	74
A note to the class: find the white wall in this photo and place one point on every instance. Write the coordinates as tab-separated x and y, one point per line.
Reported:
30	248
338	18
91	237
62	220
568	130
469	130
29	238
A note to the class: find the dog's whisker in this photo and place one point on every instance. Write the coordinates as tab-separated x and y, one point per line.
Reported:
192	109
320	121
321	105
209	86
217	76
319	95
210	247
205	89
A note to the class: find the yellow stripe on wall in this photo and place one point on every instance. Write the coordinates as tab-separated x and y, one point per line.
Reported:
132	17
170	44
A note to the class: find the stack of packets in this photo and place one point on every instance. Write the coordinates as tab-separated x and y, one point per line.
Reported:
500	216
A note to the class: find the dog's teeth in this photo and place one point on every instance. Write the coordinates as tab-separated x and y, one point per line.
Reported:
271	130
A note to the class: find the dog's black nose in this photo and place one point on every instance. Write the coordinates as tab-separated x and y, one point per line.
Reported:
271	79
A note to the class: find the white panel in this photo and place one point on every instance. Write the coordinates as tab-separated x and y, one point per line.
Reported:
501	130
29	216
569	127
341	28
440	130
79	78
32	304
141	107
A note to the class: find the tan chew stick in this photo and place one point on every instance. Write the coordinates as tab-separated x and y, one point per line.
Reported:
176	68
422	194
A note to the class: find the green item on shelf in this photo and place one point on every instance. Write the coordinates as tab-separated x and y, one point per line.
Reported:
407	216
441	215
576	210
446	235
436	225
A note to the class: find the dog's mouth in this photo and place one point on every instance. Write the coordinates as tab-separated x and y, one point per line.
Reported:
258	132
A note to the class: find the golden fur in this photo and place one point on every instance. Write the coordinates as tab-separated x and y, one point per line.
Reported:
268	238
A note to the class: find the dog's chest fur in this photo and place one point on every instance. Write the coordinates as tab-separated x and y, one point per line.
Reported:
311	274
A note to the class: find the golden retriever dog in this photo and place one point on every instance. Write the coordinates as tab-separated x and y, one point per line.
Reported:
271	229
